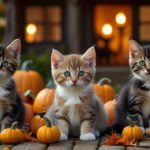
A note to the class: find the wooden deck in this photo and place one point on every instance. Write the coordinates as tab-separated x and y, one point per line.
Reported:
75	144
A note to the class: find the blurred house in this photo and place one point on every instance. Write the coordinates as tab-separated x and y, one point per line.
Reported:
72	26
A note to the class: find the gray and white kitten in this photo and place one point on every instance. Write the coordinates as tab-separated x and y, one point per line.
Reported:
134	98
11	106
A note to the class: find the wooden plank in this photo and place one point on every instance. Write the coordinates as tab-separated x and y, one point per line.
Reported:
136	148
144	143
62	145
105	147
86	145
5	146
30	146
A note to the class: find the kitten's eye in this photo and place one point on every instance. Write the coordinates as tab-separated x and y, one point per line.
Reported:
81	73
67	74
142	63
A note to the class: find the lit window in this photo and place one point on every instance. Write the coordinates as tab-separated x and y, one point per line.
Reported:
43	24
112	49
144	24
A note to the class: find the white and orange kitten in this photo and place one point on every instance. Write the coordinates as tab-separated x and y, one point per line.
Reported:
76	109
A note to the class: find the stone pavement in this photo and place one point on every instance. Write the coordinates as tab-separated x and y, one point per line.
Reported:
75	144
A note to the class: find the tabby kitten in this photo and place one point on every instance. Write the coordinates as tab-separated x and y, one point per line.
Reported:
76	109
11	106
134	98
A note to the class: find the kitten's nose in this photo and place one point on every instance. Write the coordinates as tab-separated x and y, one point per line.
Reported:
74	82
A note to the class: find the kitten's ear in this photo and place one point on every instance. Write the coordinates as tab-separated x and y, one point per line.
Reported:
56	58
135	49
13	50
15	46
89	56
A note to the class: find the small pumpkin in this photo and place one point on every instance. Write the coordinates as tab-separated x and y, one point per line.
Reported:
12	135
110	108
48	134
43	100
29	114
133	132
26	79
104	90
37	122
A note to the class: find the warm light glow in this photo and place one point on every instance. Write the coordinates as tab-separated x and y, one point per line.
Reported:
30	32
31	29
121	19
107	30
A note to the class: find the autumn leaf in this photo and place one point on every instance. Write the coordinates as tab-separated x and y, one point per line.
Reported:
126	142
28	138
112	139
115	139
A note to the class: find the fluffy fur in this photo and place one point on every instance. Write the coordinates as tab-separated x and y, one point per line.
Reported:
11	107
134	98
76	109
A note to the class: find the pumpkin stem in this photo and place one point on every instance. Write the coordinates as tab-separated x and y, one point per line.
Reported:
29	94
26	65
14	125
42	115
48	123
104	80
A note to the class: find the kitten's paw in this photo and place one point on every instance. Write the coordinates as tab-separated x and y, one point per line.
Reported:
63	137
87	136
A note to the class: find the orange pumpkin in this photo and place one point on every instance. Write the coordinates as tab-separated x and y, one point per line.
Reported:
48	133
28	79
29	114
133	132
43	100
110	109
37	122
12	135
103	90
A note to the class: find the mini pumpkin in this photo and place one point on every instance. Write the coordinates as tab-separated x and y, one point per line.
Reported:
43	100
26	79
37	122
110	108
48	134
12	135
104	90
132	132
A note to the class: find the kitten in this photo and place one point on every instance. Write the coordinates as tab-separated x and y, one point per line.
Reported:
76	108
11	106
134	98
